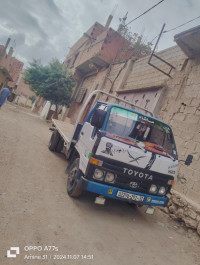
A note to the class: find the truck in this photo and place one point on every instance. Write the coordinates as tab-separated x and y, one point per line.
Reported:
118	150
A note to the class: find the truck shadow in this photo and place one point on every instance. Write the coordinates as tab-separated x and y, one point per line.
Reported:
111	208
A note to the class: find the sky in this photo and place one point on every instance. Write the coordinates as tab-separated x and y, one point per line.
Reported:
46	29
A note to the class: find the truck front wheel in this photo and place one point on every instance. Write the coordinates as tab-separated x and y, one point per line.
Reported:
55	137
72	182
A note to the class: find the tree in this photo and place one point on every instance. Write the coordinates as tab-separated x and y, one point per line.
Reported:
138	45
52	82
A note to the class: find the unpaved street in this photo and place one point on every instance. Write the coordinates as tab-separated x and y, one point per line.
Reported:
36	211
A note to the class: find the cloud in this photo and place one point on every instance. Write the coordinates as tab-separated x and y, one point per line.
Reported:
47	28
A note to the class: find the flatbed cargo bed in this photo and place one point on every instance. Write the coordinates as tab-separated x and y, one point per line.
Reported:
65	129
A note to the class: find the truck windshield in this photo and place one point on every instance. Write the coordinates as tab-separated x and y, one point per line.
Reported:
154	135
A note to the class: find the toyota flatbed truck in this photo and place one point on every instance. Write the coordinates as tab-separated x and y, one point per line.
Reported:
118	152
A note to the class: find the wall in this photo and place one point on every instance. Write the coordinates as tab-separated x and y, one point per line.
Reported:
22	88
23	101
89	83
81	45
15	67
2	80
181	109
12	65
143	75
102	80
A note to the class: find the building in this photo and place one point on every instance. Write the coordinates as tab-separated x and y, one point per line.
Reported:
15	69
5	58
90	58
10	67
22	92
170	89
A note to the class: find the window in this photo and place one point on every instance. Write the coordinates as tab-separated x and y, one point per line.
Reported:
81	95
140	128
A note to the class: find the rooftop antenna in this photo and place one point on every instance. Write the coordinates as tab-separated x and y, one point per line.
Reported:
14	44
114	10
122	23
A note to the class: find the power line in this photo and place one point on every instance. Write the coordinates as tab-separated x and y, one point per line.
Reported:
91	46
154	38
181	25
144	12
166	31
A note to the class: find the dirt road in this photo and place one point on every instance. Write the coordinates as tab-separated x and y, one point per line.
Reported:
36	211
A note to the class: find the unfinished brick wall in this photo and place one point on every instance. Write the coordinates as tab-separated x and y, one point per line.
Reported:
114	77
181	109
143	75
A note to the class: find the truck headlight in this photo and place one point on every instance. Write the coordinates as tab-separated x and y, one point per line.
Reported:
162	191
110	177
153	188
98	174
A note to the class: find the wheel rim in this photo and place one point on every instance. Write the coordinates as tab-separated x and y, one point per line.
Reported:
72	177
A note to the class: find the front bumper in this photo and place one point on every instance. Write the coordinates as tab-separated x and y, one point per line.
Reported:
111	192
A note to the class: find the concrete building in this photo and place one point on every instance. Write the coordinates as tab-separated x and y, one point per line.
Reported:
10	67
90	58
173	98
22	92
15	69
5	76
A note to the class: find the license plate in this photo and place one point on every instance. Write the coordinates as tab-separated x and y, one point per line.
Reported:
129	196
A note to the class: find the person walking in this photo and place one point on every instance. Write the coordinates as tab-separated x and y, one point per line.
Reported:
5	92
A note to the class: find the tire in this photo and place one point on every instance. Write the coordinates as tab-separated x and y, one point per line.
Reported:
55	137
59	146
72	182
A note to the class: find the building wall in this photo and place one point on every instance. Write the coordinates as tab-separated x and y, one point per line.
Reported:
12	65
181	109
115	47
22	88
23	101
143	75
114	77
2	80
132	79
15	67
91	83
91	48
81	46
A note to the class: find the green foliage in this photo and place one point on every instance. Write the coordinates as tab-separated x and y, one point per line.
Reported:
139	46
52	82
32	98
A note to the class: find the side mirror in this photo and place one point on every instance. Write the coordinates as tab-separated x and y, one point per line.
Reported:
188	160
98	118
